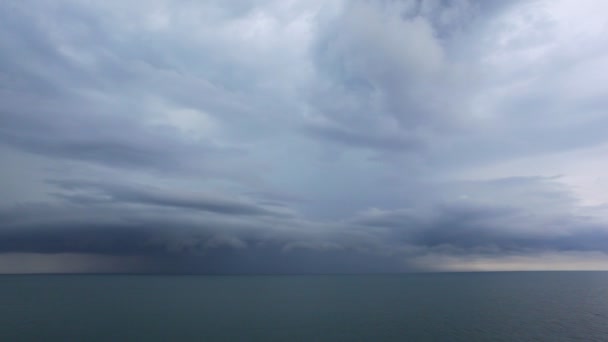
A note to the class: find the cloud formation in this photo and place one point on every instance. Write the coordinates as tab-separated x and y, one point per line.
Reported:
302	136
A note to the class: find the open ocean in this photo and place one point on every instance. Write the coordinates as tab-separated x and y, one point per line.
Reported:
527	306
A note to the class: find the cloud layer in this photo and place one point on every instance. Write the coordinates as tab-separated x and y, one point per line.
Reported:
302	136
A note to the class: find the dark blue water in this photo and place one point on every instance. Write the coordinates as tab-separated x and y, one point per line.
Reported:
538	306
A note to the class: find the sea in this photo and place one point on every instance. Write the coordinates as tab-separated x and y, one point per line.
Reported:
505	306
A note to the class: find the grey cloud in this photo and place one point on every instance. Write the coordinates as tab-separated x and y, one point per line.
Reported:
98	77
121	193
272	136
104	140
177	246
432	88
361	139
376	240
387	75
504	215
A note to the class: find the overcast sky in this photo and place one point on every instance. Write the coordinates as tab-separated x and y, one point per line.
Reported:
303	136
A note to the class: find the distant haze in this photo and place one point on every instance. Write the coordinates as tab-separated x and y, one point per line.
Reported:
305	136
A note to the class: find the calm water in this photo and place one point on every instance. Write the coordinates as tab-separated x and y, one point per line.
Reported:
551	306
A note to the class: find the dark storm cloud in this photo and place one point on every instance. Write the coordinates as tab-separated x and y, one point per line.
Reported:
105	229
311	136
373	241
385	242
170	244
81	239
384	238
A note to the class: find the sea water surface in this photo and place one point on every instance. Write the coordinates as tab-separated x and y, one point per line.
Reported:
527	306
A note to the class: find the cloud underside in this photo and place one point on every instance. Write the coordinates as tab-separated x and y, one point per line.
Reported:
313	136
157	230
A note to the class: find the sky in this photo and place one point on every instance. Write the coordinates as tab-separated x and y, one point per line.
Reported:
303	136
